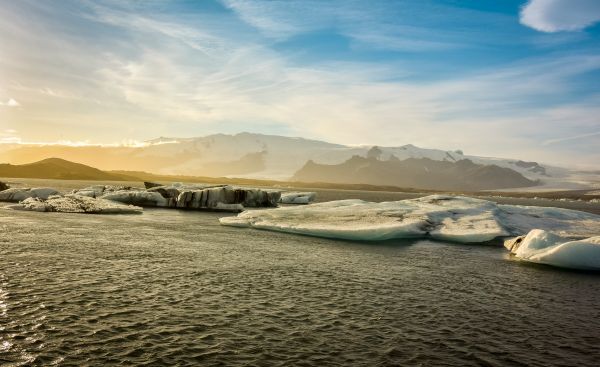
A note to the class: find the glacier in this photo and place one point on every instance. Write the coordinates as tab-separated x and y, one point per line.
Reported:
443	217
544	247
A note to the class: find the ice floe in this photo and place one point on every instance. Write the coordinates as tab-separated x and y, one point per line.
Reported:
19	194
199	197
452	218
543	247
97	191
72	203
140	198
297	197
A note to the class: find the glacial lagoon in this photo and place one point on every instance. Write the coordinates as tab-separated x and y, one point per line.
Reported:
170	287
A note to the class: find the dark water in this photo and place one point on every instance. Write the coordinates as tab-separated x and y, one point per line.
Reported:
176	288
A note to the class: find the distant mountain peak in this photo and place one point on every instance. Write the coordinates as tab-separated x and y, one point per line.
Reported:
423	173
236	155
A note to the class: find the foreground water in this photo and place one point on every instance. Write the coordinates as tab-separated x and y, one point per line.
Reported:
175	288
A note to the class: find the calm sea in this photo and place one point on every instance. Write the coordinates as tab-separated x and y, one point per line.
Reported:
174	287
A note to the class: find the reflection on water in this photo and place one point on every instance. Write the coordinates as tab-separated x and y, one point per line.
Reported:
174	288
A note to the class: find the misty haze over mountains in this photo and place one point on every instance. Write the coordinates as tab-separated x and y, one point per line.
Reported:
423	173
248	155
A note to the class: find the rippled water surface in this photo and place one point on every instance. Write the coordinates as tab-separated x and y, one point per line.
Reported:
174	288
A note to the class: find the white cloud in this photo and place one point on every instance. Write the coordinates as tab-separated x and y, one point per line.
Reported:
164	77
9	136
10	103
496	111
560	15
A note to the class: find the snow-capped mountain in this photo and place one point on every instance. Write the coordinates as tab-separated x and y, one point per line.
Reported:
282	156
262	156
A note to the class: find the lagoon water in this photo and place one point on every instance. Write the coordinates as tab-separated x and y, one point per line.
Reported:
174	287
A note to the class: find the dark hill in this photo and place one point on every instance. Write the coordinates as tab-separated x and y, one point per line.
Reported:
56	168
422	173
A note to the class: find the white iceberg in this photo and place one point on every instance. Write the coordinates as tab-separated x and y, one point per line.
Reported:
72	203
520	220
97	191
543	247
93	191
201	197
293	197
459	219
19	194
139	198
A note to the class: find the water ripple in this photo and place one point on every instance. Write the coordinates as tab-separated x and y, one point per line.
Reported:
175	288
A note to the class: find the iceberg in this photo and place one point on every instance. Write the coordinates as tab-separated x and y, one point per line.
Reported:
139	198
297	197
72	203
543	247
227	198
19	194
520	220
125	195
97	191
450	218
199	197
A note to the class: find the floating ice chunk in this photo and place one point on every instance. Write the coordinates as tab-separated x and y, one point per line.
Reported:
519	220
97	191
92	191
139	198
345	219
259	198
466	227
73	203
30	204
43	192
543	247
19	194
297	197
229	207
221	197
459	219
211	197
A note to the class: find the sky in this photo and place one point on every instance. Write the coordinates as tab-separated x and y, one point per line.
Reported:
510	78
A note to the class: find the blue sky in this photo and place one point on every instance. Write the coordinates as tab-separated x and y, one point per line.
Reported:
511	78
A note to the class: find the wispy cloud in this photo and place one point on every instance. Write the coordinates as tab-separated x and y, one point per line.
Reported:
117	74
10	103
568	138
399	25
9	136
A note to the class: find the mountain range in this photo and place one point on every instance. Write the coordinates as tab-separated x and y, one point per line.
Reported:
60	169
257	156
423	173
57	168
